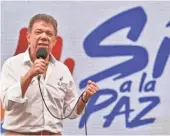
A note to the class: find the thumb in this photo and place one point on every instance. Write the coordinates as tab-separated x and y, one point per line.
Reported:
84	94
89	82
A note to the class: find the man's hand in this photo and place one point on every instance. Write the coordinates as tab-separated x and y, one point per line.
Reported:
90	90
39	67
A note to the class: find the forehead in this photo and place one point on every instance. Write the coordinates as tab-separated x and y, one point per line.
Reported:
43	25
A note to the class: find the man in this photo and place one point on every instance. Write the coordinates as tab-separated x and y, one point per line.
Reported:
26	113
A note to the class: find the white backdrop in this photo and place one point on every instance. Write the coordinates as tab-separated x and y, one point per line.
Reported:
77	20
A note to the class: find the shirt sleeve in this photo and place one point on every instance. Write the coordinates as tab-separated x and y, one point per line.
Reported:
71	98
11	93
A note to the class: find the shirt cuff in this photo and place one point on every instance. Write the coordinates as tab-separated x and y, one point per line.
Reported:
14	93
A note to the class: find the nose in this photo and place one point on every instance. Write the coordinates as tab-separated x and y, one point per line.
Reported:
43	37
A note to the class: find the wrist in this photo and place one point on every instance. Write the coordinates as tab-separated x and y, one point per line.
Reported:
29	74
83	99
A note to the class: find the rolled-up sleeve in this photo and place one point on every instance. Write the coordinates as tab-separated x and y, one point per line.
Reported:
11	93
71	98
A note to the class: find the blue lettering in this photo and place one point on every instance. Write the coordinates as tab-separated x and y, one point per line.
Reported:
138	121
124	101
139	54
126	86
162	57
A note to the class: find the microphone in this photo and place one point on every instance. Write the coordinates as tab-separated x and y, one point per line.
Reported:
41	54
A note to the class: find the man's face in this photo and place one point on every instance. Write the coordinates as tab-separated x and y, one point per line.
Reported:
41	35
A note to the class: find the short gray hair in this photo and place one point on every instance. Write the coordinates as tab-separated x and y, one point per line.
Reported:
42	17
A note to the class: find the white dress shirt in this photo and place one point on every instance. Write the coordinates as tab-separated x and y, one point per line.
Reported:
29	114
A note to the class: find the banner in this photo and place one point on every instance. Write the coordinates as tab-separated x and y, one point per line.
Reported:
123	46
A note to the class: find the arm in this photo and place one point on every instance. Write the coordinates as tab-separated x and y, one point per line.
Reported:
90	90
71	97
25	82
13	91
39	67
10	88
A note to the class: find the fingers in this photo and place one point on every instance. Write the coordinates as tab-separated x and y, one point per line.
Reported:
89	82
91	88
92	83
40	62
39	67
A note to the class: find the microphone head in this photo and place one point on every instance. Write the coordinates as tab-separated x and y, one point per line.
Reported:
41	53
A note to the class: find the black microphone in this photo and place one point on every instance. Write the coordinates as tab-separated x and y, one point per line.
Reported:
41	54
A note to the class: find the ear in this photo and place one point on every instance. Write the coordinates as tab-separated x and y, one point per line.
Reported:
28	37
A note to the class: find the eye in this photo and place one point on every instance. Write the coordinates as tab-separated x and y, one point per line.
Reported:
49	34
37	32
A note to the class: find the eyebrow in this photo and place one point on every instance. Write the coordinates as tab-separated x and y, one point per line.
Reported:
43	30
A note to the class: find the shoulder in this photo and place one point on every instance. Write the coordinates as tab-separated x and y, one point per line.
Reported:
61	65
14	60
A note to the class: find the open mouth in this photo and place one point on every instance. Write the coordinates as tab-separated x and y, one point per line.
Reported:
42	44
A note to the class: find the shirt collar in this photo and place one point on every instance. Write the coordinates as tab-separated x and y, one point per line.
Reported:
27	59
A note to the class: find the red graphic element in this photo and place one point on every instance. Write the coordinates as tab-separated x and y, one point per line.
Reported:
22	42
69	62
56	51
